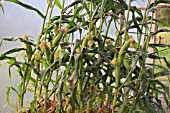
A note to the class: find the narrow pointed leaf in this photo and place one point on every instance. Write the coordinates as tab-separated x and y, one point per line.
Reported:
2	7
13	39
159	31
27	7
72	4
162	73
159	45
14	50
57	3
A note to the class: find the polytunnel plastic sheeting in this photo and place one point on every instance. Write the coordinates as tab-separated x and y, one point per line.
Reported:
17	21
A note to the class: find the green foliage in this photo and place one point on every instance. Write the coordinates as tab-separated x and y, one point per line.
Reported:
163	15
76	66
2	7
27	6
57	2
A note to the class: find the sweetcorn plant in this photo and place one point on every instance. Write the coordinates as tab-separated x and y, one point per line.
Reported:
86	60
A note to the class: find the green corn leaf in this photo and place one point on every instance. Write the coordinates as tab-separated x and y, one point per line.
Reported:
50	28
74	98
33	106
156	50
19	70
162	22
117	6
28	42
14	50
57	109
101	11
85	83
30	89
45	71
9	71
95	11
136	25
152	56
13	39
12	61
8	97
78	10
127	84
106	37
77	43
8	39
74	29
57	3
158	2
64	17
159	45
167	63
139	12
141	103
55	87
9	88
59	92
159	57
2	7
135	9
33	68
135	22
136	101
27	7
134	63
20	87
85	23
71	24
107	90
72	4
73	81
143	82
85	6
80	32
123	106
68	66
122	2
156	65
159	31
163	86
61	56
